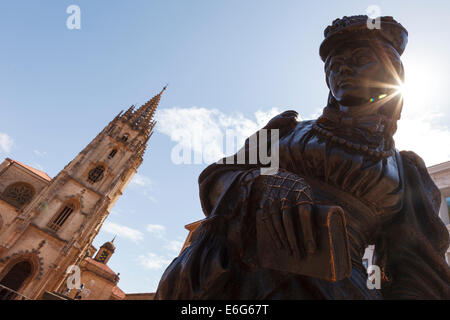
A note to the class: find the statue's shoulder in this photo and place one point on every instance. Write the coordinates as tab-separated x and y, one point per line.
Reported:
285	119
413	160
287	122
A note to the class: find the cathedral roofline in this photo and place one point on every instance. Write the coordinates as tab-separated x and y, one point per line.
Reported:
37	172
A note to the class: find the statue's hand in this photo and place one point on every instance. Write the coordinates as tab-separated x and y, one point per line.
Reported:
285	204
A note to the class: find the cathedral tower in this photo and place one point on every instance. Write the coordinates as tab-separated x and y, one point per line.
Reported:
70	209
106	251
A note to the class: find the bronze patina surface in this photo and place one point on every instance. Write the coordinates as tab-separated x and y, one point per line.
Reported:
263	237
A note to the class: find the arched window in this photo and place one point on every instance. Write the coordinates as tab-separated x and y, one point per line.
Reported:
125	137
112	153
18	194
62	216
14	280
96	174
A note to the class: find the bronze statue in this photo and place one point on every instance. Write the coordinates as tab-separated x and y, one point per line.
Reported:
343	162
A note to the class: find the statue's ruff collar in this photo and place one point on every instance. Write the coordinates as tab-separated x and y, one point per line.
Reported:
333	122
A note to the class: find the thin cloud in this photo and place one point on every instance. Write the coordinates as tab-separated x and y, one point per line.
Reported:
41	154
174	246
142	181
114	212
159	231
123	231
203	131
153	261
6	143
144	186
156	230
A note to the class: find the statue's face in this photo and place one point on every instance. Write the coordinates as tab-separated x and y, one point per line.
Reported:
356	74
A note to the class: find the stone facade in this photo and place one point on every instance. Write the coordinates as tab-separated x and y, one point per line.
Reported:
48	224
440	174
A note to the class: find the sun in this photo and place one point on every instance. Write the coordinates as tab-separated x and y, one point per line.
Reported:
421	86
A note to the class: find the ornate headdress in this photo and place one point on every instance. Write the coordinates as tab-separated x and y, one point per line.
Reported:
356	28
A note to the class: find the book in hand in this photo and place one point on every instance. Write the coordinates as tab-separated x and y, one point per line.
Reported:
331	259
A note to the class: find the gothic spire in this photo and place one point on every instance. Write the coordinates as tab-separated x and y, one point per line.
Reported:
142	118
128	113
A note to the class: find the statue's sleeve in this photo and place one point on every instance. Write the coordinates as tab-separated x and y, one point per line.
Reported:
210	267
411	249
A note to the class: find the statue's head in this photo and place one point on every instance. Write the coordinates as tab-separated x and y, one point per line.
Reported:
363	65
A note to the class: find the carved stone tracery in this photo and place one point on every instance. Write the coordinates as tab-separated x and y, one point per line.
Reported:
18	194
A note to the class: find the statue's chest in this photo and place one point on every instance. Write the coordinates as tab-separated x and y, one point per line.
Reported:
374	181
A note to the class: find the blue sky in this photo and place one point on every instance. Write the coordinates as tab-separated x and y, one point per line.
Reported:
230	65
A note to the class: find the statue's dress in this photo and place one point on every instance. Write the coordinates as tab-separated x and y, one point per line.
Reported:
390	202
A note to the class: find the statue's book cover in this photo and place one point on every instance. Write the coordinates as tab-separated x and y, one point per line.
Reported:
331	260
